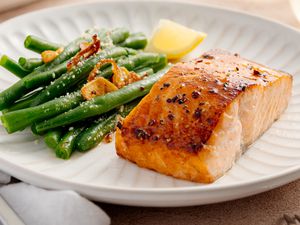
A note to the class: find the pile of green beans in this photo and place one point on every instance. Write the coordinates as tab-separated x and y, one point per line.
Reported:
48	98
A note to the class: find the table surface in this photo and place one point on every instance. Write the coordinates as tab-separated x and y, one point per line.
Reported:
262	209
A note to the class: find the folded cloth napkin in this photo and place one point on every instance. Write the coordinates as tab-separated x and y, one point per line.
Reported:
4	178
36	206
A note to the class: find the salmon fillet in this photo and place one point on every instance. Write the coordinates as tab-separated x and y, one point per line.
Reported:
201	115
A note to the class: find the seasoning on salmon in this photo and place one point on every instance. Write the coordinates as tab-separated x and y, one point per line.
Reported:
220	103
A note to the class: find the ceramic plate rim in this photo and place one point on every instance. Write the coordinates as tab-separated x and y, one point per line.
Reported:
6	166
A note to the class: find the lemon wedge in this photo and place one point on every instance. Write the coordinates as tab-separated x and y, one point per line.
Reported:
173	39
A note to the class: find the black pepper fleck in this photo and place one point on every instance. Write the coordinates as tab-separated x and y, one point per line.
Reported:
256	73
181	101
218	82
170	116
195	94
174	99
155	138
179	98
151	122
197	113
207	56
141	134
242	87
213	91
210	121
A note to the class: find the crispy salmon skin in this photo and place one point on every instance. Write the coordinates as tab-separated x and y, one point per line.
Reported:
200	116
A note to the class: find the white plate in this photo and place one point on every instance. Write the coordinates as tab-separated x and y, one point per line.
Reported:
272	161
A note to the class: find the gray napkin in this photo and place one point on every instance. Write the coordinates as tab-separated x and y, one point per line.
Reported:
4	178
36	206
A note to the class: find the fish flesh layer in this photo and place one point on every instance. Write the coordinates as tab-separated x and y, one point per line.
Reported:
201	115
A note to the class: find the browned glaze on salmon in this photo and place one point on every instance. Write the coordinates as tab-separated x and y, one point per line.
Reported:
200	115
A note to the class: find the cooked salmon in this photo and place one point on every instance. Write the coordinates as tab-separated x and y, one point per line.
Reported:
201	115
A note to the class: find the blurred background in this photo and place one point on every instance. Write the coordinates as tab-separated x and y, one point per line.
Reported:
280	10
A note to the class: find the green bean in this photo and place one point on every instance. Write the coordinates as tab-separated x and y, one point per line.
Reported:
24	102
52	70
13	67
110	38
27	100
119	35
94	134
146	71
61	85
135	41
44	78
102	104
65	147
30	63
39	45
158	60
127	108
143	59
53	137
132	51
18	89
20	119
162	62
133	62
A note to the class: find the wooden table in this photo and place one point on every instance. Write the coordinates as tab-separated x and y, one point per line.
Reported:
262	209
